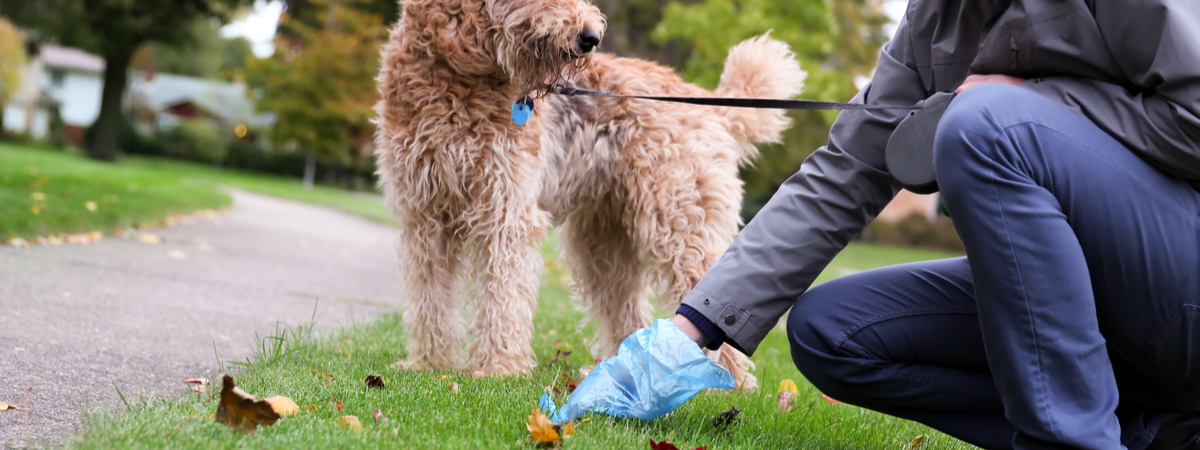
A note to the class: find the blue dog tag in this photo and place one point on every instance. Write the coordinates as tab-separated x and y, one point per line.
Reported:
522	110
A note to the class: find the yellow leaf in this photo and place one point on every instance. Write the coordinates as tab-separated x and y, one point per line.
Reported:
788	386
540	427
91	206
311	408
176	254
568	429
35	210
149	238
38	197
282	405
916	443
349	423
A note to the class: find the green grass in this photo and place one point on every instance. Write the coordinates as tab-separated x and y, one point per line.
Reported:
43	193
362	205
491	412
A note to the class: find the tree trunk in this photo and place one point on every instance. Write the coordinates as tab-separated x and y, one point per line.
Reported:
106	132
310	170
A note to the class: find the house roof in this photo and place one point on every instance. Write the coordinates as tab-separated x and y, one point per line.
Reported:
227	101
57	57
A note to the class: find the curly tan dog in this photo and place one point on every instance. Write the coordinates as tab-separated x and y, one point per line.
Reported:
646	194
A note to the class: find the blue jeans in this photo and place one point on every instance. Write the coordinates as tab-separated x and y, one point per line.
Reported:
1074	319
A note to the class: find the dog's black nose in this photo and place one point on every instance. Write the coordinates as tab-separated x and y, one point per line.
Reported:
588	41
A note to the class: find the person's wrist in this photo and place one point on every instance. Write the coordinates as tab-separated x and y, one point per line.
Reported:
690	329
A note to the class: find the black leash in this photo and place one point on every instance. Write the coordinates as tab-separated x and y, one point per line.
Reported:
765	103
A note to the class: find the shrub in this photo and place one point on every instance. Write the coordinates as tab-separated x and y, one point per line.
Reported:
915	231
196	140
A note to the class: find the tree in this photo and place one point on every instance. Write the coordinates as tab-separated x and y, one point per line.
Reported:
834	41
114	29
207	56
12	57
321	82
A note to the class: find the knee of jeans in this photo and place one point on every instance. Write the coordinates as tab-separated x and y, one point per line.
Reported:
813	334
968	125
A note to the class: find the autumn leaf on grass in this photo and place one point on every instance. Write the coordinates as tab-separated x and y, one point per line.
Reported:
349	423
787	395
665	445
282	405
916	443
541	429
374	381
240	409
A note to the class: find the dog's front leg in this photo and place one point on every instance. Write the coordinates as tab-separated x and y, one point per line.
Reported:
428	262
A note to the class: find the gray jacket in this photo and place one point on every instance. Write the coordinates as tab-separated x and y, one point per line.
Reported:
1131	66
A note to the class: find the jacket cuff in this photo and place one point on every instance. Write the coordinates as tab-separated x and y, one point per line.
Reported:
715	336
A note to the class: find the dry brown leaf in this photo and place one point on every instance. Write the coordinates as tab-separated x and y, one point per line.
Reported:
282	405
540	427
8	406
374	381
197	384
916	443
349	423
240	409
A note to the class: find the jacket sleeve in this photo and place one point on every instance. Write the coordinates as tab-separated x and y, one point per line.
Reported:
1158	116
838	190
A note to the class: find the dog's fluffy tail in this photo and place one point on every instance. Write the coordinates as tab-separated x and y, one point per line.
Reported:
760	67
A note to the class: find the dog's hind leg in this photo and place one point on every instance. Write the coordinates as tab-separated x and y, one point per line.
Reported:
607	277
429	260
512	271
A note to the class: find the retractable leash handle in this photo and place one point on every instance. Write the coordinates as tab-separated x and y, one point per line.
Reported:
909	152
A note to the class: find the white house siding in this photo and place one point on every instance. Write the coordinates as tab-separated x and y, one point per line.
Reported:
78	95
16	120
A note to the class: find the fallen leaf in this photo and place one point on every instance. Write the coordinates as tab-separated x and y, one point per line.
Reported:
453	387
540	427
282	405
176	254
197	384
38	197
91	206
788	386
787	400
568	429
377	414
916	443
35	210
340	406
148	238
829	399
240	409
374	381
349	423
18	242
8	406
665	445
560	353
726	418
312	408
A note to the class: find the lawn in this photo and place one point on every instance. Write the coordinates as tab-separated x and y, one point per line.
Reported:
425	410
360	204
44	193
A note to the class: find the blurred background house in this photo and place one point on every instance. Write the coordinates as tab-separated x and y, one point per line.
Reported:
56	81
159	102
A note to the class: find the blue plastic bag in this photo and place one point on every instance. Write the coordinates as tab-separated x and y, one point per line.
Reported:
655	371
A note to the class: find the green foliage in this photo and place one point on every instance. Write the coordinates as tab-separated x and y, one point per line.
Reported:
321	82
207	56
834	41
197	140
12	57
43	193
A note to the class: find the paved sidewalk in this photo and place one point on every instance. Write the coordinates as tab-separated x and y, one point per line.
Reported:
78	321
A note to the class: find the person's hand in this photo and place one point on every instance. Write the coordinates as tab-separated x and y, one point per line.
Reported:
656	370
976	80
690	329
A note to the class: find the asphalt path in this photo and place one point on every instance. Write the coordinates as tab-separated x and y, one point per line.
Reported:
79	322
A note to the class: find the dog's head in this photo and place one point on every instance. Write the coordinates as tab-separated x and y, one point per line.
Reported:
540	42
